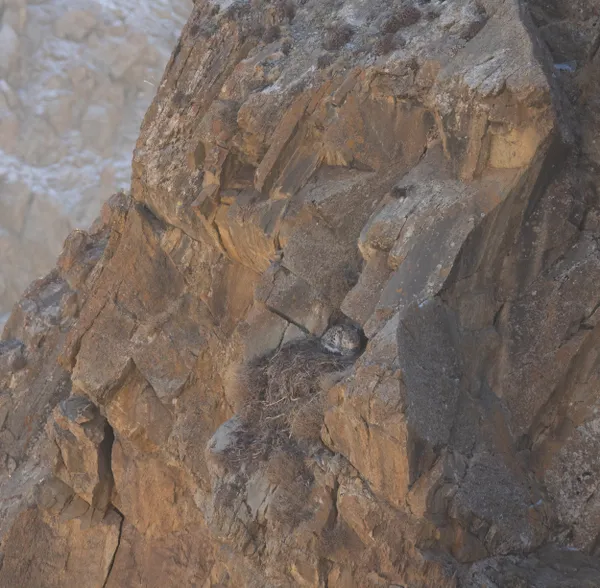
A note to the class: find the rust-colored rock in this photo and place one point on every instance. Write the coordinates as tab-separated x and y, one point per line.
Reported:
173	408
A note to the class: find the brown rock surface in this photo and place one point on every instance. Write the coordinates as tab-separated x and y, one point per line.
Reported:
169	414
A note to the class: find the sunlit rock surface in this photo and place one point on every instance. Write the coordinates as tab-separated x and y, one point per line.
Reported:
174	408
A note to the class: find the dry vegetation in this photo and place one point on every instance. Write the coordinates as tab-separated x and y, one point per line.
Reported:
337	36
388	43
272	34
407	16
280	398
324	61
280	401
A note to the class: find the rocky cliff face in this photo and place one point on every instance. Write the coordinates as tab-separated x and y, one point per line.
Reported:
344	331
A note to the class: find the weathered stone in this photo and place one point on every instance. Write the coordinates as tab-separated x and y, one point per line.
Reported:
422	193
282	136
84	440
526	390
366	424
248	229
516	523
423	227
83	557
333	274
362	133
164	510
53	495
136	414
359	304
486	130
145	561
431	370
571	482
296	301
261	332
12	356
551	566
169	331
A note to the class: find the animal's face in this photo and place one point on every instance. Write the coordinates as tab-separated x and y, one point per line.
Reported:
341	339
350	340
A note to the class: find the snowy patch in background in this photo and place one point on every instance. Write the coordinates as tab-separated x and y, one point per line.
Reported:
76	77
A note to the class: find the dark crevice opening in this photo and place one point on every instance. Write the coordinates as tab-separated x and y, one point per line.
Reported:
114	556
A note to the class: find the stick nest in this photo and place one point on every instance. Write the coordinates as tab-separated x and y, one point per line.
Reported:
281	397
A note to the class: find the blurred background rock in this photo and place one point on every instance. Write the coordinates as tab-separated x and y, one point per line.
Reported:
76	77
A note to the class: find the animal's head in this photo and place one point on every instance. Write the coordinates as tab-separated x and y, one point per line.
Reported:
342	339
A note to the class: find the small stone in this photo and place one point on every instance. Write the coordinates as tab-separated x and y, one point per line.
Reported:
337	36
12	356
405	17
272	34
292	333
385	45
79	409
324	61
74	509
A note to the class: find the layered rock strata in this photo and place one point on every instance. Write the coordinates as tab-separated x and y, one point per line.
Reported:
176	408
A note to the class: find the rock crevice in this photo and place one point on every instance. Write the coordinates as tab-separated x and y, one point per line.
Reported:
343	330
